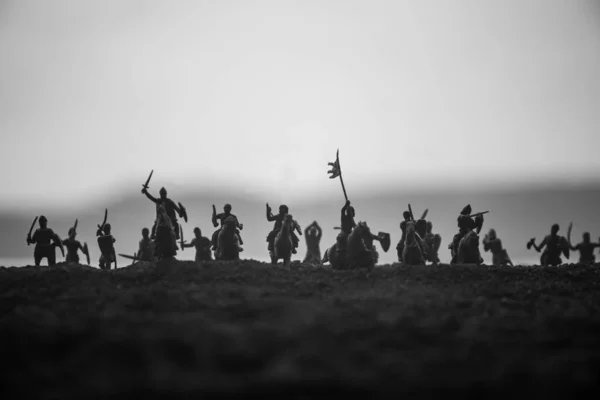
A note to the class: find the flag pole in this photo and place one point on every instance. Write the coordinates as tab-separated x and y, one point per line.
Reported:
337	156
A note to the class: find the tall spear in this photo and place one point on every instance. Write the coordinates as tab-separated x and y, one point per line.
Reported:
336	171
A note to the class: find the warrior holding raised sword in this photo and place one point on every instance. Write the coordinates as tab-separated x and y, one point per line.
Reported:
169	204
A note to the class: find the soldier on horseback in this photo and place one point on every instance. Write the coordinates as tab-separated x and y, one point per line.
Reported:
283	211
400	246
466	223
170	207
222	217
347	225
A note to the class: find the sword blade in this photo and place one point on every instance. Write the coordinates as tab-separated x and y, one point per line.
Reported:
127	256
105	217
148	180
75	226
32	225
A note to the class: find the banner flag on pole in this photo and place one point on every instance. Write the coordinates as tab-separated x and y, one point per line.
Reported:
335	170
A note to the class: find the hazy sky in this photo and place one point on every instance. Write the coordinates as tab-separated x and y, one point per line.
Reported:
94	94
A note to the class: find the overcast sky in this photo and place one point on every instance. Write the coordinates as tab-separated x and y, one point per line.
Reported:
94	94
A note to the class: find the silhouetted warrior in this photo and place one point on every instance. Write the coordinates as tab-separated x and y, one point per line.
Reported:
432	243
73	246
202	245
586	249
146	247
493	244
221	217
170	207
400	246
465	225
283	211
347	225
106	243
312	235
45	242
555	245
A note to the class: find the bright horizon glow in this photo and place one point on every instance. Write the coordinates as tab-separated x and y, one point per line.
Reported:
258	95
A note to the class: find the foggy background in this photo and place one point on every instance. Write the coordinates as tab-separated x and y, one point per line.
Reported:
435	103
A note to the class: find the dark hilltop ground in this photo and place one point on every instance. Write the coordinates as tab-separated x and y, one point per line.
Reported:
178	329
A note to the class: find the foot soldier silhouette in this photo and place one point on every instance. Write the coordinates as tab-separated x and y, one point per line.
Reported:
400	246
146	247
283	211
585	248
555	246
493	244
312	235
73	246
107	250
221	217
45	242
432	243
171	209
466	224
346	227
202	245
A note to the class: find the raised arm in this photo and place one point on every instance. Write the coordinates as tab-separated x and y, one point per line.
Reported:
215	217
148	195
190	244
541	246
319	231
270	216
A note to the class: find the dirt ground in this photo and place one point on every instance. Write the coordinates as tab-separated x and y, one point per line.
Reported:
177	329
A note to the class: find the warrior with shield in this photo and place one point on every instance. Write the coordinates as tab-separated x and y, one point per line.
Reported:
493	244
170	207
555	246
222	217
283	211
45	242
73	246
420	229
348	226
469	227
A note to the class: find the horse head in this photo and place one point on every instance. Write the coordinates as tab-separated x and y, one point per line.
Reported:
362	232
410	233
229	224
162	218
288	223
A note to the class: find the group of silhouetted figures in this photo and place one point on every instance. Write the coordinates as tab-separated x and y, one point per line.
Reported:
353	247
417	246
